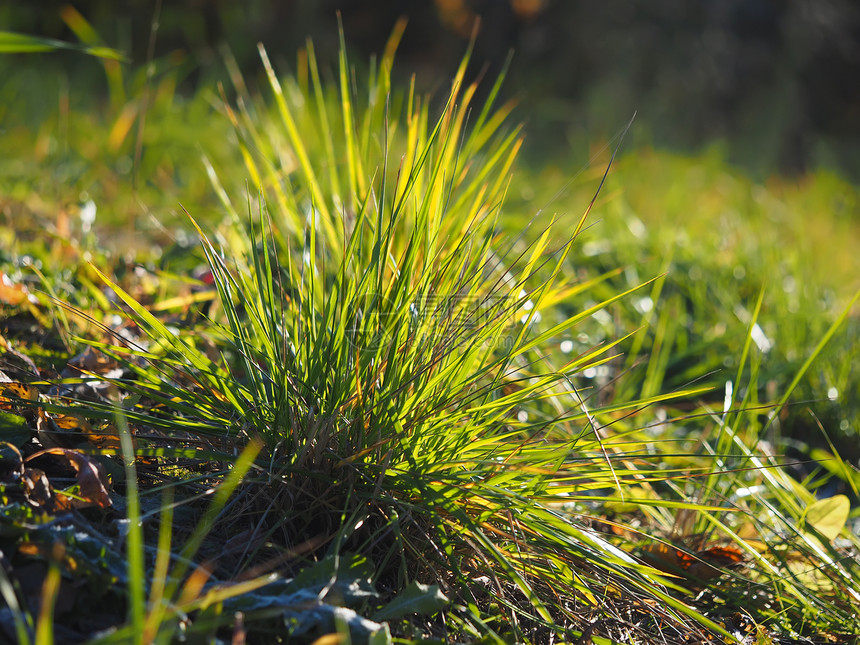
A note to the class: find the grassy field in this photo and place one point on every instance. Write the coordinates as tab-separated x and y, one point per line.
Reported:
322	363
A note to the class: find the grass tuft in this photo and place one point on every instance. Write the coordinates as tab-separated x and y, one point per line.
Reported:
394	402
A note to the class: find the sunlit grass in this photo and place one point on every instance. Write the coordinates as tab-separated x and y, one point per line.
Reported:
386	343
468	396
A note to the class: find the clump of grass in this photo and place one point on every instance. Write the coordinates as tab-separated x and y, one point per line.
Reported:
386	342
426	456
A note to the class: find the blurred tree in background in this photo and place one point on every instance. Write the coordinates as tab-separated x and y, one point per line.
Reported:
776	80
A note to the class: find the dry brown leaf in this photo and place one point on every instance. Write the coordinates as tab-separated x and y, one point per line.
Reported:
705	564
61	430
11	293
106	437
90	475
12	392
37	488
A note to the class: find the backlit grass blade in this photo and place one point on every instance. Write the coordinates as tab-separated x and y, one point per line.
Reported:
15	43
136	580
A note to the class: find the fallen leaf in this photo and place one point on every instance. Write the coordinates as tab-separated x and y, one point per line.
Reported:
416	598
60	430
90	475
7	347
37	488
106	437
705	564
828	516
11	293
13	392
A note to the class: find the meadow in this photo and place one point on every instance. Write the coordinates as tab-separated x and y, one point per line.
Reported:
311	357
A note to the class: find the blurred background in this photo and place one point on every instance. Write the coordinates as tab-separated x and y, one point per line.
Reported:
774	83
